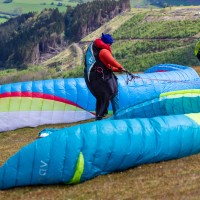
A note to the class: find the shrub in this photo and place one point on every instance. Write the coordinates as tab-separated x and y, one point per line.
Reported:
7	1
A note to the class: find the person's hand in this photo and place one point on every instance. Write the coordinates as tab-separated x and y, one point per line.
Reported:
130	74
109	66
122	69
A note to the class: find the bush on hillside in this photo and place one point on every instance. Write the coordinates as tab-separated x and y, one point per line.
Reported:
7	1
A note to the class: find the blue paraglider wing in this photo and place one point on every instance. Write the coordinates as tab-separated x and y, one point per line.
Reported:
36	103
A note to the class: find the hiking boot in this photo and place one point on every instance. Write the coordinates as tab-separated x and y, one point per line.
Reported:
99	118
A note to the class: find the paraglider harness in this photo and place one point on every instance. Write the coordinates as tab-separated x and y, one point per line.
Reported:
90	61
94	68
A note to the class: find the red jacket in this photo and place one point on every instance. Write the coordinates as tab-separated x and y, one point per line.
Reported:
106	57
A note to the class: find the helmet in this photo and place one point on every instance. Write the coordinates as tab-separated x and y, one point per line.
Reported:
107	38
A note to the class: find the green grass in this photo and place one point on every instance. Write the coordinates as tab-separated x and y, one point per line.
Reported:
138	56
181	3
32	5
2	20
161	36
137	3
35	5
138	45
175	179
143	38
140	26
32	73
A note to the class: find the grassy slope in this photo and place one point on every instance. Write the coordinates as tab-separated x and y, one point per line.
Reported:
22	6
2	20
181	3
32	5
68	60
111	26
158	38
35	5
132	46
66	64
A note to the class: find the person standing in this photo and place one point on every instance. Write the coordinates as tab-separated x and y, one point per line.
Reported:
197	50
99	76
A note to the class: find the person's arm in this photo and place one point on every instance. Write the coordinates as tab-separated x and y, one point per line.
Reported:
108	60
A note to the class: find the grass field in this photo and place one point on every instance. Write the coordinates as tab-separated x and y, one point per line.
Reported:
38	5
2	20
23	6
180	2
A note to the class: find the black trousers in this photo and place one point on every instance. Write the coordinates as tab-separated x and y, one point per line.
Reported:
104	91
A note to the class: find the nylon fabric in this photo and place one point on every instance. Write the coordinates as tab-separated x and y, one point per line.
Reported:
79	170
90	61
171	103
69	100
107	146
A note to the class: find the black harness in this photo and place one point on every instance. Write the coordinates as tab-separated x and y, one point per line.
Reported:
94	68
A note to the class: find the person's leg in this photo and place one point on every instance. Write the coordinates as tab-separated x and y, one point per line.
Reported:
106	110
115	103
113	90
93	88
99	88
98	108
101	106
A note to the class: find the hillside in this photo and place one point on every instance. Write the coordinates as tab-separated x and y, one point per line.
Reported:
143	38
141	42
18	7
12	8
34	37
